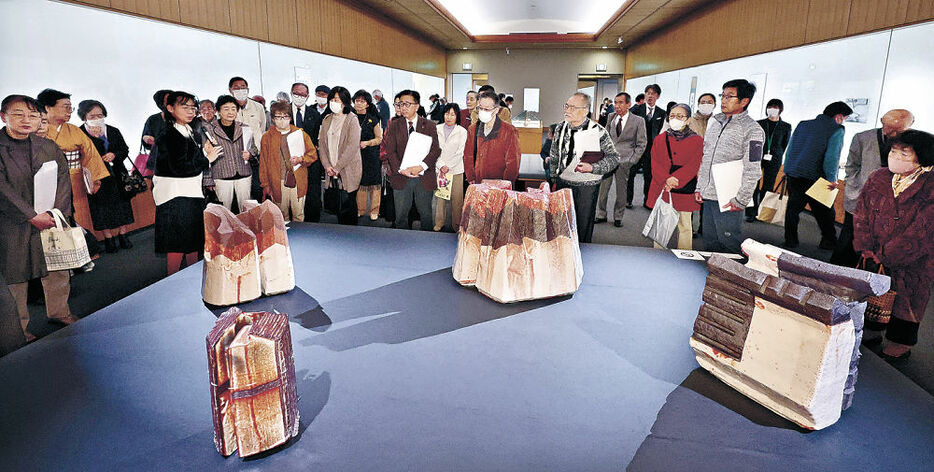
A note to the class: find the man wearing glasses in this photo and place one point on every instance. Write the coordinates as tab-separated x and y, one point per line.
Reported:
313	117
492	149
731	136
414	184
654	117
22	153
581	154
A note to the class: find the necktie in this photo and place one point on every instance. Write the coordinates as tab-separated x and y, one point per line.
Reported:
298	117
619	126
411	128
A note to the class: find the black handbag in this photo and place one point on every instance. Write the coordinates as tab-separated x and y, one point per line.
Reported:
336	199
132	184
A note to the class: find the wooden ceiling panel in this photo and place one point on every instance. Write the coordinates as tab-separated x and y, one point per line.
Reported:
282	17
162	9
871	15
920	10
209	14
248	19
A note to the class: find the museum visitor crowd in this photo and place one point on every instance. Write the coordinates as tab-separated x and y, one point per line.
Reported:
329	150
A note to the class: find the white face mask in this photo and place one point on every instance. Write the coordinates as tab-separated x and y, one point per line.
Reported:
321	100
485	116
298	100
705	108
676	124
772	112
899	166
98	123
336	107
241	94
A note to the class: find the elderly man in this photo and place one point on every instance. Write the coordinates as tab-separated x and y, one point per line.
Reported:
382	108
869	151
581	154
21	257
492	149
628	134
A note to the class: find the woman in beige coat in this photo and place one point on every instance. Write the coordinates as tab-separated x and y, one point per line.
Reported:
339	149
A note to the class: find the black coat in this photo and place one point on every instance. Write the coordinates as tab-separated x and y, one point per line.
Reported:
653	124
777	143
311	122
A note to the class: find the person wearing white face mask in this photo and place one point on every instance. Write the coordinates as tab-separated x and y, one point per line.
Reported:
111	212
706	105
492	150
777	134
252	114
891	227
676	158
340	152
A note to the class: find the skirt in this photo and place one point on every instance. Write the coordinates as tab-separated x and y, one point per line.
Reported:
372	167
180	225
109	207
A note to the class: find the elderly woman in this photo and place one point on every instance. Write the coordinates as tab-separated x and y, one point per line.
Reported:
676	158
177	184
231	173
452	138
283	176
111	211
371	135
339	140
892	227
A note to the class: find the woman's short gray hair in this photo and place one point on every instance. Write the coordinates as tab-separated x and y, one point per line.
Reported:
685	106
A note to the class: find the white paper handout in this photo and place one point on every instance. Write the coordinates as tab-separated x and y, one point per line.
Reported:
45	184
585	140
820	192
416	150
248	138
727	178
296	141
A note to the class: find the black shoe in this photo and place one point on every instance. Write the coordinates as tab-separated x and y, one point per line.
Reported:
618	224
124	242
110	245
788	245
629	205
599	220
646	206
827	244
750	219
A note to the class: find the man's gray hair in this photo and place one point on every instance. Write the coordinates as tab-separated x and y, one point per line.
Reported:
584	96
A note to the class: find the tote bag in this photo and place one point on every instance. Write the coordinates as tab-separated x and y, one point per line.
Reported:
64	246
662	221
773	206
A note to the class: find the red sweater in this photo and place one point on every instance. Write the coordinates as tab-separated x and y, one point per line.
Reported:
687	153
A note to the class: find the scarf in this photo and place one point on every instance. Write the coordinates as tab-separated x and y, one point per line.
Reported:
900	182
682	133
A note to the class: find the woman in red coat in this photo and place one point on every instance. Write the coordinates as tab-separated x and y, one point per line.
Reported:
675	172
892	226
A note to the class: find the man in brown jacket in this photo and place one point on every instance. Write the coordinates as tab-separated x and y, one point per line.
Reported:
493	153
417	182
282	182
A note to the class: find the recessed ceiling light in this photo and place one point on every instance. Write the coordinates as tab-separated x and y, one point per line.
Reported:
464	48
604	47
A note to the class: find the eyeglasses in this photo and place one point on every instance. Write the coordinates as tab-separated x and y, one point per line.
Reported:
727	97
66	108
568	106
406	104
678	117
487	109
360	101
23	116
280	117
902	154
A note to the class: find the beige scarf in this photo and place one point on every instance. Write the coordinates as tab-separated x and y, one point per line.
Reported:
900	182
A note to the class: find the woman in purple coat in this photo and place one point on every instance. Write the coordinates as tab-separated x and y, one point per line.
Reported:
893	224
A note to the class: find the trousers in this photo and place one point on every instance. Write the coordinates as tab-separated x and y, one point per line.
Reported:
226	190
57	288
621	177
797	199
413	192
723	231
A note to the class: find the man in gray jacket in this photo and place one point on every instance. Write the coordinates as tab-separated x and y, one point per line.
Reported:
731	136
627	131
869	151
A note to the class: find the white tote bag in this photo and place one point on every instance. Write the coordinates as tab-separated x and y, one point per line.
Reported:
662	221
773	206
64	246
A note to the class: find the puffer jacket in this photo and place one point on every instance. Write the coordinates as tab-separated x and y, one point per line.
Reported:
730	138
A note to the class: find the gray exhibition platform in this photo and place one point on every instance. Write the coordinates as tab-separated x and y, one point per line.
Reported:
400	368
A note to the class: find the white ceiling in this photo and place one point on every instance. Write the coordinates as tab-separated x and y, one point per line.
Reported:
488	17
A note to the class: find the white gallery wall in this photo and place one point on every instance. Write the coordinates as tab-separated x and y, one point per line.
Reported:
889	69
122	60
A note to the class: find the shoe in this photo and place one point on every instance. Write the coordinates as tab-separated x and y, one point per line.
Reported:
599	220
788	245
750	219
894	359
629	205
64	321
30	337
374	217
872	337
110	245
827	244
618	224
124	242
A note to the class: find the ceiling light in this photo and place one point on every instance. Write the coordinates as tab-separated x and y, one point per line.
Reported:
604	47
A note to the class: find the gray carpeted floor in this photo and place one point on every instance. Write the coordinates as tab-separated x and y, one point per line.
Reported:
117	275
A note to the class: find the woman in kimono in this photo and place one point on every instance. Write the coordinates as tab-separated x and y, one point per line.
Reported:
111	211
177	184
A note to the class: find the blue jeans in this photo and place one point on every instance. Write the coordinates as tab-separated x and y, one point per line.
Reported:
723	231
